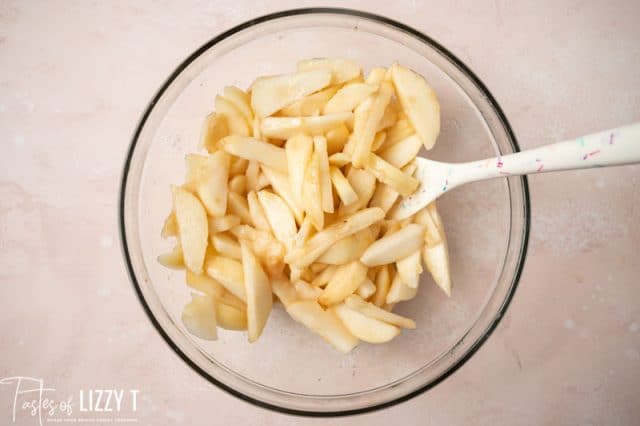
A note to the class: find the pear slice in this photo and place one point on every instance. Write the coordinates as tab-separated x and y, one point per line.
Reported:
410	268
287	127
230	317
365	328
394	247
270	94
199	317
325	323
238	125
298	151
399	291
342	70
372	311
279	216
258	292
229	273
349	97
419	102
346	279
193	228
241	100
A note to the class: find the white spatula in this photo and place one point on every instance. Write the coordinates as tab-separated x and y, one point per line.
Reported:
609	148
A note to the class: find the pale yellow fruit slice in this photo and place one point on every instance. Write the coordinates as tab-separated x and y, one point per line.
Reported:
346	279
365	328
324	323
199	317
258	293
342	70
270	94
395	246
193	228
373	311
419	102
349	97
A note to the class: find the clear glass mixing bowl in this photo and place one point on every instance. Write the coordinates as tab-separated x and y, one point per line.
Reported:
290	369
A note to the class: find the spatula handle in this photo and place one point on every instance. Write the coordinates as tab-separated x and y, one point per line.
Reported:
608	148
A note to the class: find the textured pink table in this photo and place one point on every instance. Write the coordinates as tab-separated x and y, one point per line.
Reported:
75	78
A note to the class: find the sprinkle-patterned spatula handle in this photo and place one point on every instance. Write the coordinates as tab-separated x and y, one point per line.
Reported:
609	148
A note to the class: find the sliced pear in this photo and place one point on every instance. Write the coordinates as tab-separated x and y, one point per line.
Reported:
403	152
214	128
366	289
436	258
398	132
383	282
238	184
170	227
238	125
256	211
226	245
410	268
238	206
258	293
271	94
432	234
256	150
173	259
241	100
378	140
262	243
309	105
394	247
376	75
401	182
279	216
230	317
212	186
223	223
337	138
280	183
340	159
312	192
367	329
320	147
343	187
199	317
375	112
346	279
342	70
389	117
347	249
364	185
399	291
252	173
227	272
372	311
419	102
324	323
205	284
323	278
307	291
284	291
286	127
193	228
298	151
349	97
319	243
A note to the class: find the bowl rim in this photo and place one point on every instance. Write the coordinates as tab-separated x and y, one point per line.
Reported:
378	19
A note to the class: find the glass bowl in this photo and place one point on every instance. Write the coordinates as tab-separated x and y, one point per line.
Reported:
290	369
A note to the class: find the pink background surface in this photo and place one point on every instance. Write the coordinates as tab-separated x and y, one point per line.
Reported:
75	78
